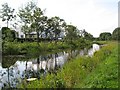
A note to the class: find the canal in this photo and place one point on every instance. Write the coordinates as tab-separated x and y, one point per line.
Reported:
15	69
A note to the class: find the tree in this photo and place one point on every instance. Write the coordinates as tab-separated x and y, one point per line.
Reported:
116	34
71	32
56	26
87	35
105	36
25	14
38	21
26	29
7	13
48	29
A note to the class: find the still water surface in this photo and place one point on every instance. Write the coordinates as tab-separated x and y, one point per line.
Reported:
13	69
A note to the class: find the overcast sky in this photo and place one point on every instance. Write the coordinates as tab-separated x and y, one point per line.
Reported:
95	16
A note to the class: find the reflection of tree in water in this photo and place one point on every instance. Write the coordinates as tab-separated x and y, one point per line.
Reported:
7	63
11	80
56	55
31	73
54	62
12	72
43	64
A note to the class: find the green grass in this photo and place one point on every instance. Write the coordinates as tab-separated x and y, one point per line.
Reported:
99	71
105	75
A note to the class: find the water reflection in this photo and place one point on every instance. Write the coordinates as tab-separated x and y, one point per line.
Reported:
13	70
91	51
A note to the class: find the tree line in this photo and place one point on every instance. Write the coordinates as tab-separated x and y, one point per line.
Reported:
105	36
32	19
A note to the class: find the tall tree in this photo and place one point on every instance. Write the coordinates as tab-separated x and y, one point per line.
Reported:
48	28
25	14
7	13
38	22
56	26
71	32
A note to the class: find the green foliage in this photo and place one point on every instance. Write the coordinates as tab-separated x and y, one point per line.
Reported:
57	25
87	35
106	75
75	72
25	15
100	71
105	36
15	48
8	35
26	11
7	13
71	32
38	22
50	81
32	19
116	34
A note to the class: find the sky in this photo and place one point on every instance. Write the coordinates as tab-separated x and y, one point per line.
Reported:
95	16
119	14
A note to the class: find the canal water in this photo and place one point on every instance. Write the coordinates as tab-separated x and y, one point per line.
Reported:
14	69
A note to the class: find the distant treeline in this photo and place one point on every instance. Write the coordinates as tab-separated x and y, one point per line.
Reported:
105	36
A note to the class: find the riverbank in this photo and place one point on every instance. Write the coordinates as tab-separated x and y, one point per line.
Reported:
76	72
33	48
105	75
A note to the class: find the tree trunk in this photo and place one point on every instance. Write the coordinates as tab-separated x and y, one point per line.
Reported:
7	23
8	77
26	65
38	38
56	60
38	63
25	36
55	39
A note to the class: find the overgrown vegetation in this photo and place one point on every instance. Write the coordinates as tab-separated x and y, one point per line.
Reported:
105	76
84	72
17	48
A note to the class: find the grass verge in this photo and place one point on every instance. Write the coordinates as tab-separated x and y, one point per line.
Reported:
99	71
105	75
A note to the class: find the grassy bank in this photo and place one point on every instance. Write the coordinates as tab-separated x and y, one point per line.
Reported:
17	48
84	72
105	75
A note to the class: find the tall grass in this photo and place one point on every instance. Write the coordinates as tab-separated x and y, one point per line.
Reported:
106	75
74	71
